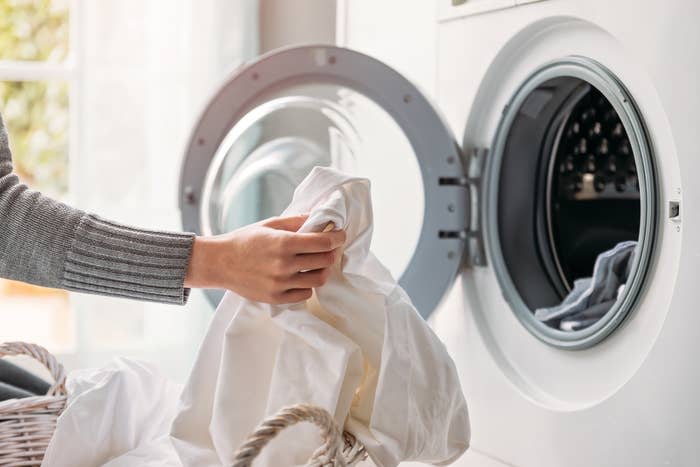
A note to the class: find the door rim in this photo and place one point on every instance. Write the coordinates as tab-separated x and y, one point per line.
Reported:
605	81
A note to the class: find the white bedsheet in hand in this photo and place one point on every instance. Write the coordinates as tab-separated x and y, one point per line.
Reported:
358	348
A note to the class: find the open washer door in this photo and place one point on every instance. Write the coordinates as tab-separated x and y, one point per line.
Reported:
275	119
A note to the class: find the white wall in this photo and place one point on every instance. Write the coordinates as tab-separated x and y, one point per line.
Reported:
288	22
401	33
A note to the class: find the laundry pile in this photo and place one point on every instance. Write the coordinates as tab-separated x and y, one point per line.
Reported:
358	348
592	297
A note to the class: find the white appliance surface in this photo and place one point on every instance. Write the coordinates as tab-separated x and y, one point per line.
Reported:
632	399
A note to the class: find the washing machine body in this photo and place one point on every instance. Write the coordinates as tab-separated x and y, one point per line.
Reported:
578	123
625	391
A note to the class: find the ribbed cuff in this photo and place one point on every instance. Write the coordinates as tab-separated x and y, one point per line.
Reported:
112	259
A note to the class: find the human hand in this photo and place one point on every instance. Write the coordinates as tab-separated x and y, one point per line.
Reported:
267	262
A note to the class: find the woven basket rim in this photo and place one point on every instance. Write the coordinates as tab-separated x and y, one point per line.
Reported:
27	404
27	424
52	402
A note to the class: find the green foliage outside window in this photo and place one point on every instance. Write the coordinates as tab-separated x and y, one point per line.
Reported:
34	30
36	115
36	112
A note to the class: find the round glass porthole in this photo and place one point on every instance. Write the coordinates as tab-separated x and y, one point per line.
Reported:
276	118
272	148
571	203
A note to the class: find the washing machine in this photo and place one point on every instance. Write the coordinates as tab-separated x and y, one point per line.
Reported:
576	126
621	391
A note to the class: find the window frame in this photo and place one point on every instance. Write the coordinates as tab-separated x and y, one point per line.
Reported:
70	71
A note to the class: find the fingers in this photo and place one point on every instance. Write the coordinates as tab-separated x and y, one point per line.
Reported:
291	223
311	261
316	242
295	295
310	279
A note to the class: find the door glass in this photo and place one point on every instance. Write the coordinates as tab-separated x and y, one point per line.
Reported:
269	151
574	186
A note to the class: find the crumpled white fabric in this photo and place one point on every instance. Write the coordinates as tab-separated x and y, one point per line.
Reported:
358	349
120	408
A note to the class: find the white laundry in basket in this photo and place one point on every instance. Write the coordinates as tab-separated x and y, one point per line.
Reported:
358	349
120	412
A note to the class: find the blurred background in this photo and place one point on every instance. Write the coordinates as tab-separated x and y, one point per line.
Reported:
99	99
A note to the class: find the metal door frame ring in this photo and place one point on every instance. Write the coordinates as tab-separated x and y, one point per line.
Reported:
436	261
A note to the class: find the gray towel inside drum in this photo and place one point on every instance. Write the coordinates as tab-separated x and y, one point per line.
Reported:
592	297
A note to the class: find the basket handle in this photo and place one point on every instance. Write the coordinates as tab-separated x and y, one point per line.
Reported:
9	349
330	453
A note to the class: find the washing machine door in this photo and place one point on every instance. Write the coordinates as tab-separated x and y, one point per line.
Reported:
275	119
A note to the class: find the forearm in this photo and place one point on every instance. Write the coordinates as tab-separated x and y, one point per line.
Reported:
47	243
111	259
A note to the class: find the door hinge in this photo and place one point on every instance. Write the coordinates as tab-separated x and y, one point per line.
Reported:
472	181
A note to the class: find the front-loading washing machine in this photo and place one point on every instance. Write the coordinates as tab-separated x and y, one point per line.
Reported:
560	93
578	123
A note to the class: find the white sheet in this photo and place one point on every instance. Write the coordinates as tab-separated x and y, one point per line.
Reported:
117	409
358	348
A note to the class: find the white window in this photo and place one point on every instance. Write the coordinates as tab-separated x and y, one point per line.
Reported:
104	105
38	93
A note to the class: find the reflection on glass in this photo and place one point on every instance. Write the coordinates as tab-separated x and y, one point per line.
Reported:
277	143
34	30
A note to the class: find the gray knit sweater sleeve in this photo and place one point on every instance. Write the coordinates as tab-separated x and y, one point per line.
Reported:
47	243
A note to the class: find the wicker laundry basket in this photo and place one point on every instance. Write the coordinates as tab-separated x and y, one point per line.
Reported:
338	449
27	425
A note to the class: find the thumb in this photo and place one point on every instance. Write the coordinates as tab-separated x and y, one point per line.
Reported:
291	223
